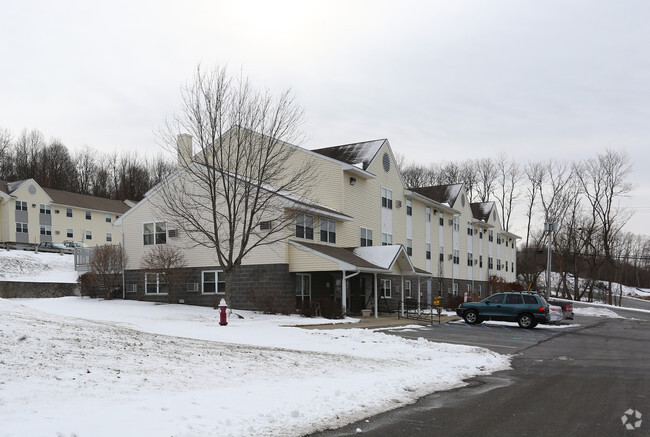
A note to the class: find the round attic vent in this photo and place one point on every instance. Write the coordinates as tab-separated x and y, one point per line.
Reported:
31	189
386	162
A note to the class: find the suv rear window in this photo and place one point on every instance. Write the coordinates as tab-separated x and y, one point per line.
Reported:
530	299
513	299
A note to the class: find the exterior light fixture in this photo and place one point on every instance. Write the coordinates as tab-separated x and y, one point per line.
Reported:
353	181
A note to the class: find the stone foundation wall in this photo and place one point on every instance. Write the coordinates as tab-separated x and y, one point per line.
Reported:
37	289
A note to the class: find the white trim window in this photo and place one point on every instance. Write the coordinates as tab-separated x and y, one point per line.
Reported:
154	233
153	284
69	233
456	224
470	259
108	218
68	212
409	206
21	228
407	289
456	256
303	287
46	230
409	247
365	237
428	251
470	229
386	198
305	226
89	215
109	237
21	206
213	281
45	209
89	235
327	230
386	290
427	214
386	239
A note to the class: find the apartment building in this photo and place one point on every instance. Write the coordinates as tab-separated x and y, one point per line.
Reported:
31	214
365	240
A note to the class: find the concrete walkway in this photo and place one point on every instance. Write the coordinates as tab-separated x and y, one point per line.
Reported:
382	322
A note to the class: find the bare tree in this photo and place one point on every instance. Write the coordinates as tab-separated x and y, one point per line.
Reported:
107	263
166	261
6	160
604	181
506	191
57	167
535	175
487	175
242	188
85	170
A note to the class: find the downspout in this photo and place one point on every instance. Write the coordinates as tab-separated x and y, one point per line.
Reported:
402	293
375	293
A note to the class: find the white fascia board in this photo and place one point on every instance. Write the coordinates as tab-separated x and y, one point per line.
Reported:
432	202
356	171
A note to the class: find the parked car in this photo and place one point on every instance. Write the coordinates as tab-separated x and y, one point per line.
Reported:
526	308
567	308
74	244
47	246
555	311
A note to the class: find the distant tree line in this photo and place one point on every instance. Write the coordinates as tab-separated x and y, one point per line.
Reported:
582	198
121	176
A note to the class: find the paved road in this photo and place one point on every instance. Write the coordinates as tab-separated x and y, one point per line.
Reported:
575	382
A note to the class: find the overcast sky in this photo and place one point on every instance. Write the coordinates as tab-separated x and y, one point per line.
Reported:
443	81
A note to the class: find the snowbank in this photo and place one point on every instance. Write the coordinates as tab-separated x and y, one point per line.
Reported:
105	368
25	266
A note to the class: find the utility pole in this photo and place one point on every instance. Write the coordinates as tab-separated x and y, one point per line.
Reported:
549	227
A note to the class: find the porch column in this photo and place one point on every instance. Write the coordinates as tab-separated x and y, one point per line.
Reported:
375	293
419	295
402	293
344	293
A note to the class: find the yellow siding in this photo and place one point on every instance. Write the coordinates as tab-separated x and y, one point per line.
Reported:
304	261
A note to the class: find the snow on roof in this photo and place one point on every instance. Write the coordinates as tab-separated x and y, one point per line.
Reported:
354	154
445	195
382	256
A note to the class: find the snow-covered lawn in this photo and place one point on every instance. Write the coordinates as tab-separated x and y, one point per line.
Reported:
26	266
84	367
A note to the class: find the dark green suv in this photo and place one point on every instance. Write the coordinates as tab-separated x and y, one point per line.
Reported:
526	308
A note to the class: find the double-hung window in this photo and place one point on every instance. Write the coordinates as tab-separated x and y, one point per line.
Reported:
456	256
21	206
213	281
386	288
21	228
46	230
45	209
305	226
386	198
386	239
365	237
409	247
154	283
470	259
68	212
89	215
427	214
154	233
428	251
303	287
327	231
409	206
407	289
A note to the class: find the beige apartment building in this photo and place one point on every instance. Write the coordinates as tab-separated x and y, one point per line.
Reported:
364	240
30	214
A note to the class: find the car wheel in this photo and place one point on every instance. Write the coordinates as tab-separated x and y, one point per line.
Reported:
471	317
526	321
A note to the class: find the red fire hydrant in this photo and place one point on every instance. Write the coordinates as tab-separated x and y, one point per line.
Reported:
222	315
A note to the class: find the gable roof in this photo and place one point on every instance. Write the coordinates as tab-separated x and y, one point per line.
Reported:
481	210
443	194
85	201
357	154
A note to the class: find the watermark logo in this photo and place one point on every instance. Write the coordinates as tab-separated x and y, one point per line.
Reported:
631	419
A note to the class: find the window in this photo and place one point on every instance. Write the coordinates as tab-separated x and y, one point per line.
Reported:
154	233
496	298
498	238
327	230
68	212
213	281
409	206
490	235
480	261
109	237
455	288
21	228
480	235
303	287
366	237
506	265
154	283
441	220
386	239
88	215
265	226
498	265
428	251
46	209
305	226
513	299
108	218
427	214
456	256
69	233
409	247
490	263
470	229
89	235
386	288
21	206
442	254
456	224
386	198
46	230
407	288
470	259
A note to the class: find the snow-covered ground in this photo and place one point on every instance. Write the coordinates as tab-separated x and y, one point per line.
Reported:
26	266
84	367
